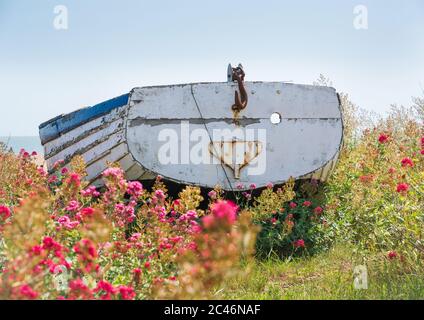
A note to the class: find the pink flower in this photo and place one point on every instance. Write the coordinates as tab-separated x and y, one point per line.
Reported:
225	210
383	138
90	192
124	213
407	162
188	216
392	255
252	186
64	171
402	188
318	210
239	186
299	243
135	237
212	194
274	220
422	152
270	185
247	195
4	212
114	172
292	205
73	205
52	179
34	154
135	189
307	203
66	222
74	179
41	171
392	170
160	194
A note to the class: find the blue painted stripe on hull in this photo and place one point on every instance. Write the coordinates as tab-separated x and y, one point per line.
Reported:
55	127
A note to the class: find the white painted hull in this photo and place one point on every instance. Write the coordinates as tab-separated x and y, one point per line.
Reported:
305	144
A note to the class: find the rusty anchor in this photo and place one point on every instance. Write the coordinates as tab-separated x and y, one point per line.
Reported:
240	100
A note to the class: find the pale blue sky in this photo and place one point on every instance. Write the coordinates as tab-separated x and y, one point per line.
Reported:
113	46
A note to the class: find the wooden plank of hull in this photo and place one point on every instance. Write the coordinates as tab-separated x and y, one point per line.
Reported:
74	136
306	141
93	145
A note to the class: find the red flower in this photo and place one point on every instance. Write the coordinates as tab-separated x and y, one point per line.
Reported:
36	250
49	243
292	205
137	275
407	162
147	264
307	203
74	179
85	213
392	255
366	178
318	210
78	289
87	254
127	293
28	292
383	138
106	288
402	187
299	243
4	212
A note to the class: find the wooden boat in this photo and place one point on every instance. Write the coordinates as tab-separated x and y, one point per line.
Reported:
286	130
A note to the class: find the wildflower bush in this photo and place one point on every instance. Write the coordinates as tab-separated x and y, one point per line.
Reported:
63	239
294	229
375	196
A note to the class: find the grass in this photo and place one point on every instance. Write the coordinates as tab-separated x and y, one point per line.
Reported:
326	276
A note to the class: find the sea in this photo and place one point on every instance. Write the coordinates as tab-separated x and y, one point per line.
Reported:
29	143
